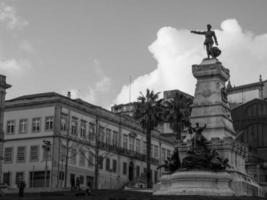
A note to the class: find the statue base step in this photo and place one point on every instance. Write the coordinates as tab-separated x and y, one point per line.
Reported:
204	183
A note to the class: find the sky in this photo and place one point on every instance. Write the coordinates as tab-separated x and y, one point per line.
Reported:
107	51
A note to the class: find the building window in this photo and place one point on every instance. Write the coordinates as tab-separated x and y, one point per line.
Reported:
163	154
21	152
34	153
137	171
131	143
101	162
90	159
49	123
82	158
168	153
115	138
81	179
10	127
8	156
74	126
156	151
46	154
101	134
6	178
23	125
63	124
138	145
36	124
125	141
114	166
124	168
108	136
91	131
155	176
107	164
83	129
19	177
61	175
73	158
144	147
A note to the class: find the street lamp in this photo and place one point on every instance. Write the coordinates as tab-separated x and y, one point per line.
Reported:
46	146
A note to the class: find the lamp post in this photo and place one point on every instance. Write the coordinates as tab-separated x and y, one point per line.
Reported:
46	146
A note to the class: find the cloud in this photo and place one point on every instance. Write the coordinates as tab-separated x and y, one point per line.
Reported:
8	15
175	50
94	92
13	67
27	47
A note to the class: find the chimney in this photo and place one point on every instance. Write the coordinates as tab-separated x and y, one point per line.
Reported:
260	78
69	94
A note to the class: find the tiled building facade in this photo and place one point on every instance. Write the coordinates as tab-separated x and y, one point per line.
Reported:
49	135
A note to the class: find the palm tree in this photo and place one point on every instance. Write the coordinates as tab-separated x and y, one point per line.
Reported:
177	113
148	113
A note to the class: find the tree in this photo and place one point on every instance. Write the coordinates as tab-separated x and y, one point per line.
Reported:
177	113
148	112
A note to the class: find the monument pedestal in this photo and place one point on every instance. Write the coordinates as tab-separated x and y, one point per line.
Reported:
210	107
204	183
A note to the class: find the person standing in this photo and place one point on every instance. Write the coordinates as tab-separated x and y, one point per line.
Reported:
21	186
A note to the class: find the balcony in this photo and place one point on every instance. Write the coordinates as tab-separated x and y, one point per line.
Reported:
125	152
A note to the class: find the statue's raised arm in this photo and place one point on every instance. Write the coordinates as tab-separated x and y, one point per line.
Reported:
199	32
210	38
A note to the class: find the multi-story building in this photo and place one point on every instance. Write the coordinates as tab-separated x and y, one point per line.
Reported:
129	109
250	122
50	140
238	95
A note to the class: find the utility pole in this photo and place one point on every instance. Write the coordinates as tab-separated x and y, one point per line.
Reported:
46	146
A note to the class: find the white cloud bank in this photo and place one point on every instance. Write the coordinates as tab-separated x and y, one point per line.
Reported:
176	50
10	19
94	92
8	15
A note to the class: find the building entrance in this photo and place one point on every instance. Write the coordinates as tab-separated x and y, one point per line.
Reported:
131	171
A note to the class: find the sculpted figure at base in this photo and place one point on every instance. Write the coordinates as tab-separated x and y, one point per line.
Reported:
200	156
172	163
210	37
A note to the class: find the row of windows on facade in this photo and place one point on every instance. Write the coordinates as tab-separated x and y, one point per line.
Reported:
7	177
21	154
35	149
111	166
106	135
111	137
35	178
24	125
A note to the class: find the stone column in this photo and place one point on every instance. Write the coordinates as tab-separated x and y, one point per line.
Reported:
210	104
3	87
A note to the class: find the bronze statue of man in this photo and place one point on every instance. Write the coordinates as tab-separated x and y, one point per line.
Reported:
209	37
199	142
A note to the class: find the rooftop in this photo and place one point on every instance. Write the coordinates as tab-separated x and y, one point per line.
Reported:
53	97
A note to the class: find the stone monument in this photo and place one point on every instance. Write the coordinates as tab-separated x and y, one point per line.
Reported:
216	166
